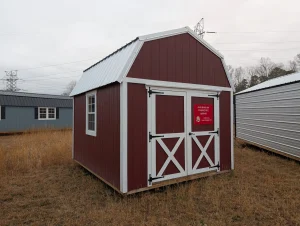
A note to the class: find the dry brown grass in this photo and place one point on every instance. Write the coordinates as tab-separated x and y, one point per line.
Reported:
40	185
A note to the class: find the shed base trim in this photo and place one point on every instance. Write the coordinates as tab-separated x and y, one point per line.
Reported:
158	184
270	149
178	180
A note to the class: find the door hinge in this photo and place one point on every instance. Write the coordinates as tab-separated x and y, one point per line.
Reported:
151	136
154	178
215	95
217	132
150	91
216	166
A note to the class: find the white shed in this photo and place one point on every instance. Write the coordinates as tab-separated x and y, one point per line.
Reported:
268	115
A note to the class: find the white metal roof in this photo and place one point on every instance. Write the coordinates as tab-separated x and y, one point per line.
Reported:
274	82
115	67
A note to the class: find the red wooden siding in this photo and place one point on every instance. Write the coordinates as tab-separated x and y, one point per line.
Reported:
225	131
169	114
100	154
179	58
137	136
169	119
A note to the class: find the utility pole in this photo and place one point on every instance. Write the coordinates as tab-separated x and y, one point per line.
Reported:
11	79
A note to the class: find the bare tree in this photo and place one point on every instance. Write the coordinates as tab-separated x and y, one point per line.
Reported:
238	75
297	62
230	70
264	69
292	66
69	88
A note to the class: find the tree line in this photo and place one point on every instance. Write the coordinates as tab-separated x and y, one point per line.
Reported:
265	69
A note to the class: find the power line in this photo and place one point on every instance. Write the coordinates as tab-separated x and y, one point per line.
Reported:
52	65
235	43
260	49
46	79
246	32
220	32
62	73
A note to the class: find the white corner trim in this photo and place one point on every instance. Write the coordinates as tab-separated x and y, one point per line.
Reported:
130	61
231	126
73	131
123	138
90	132
227	74
178	85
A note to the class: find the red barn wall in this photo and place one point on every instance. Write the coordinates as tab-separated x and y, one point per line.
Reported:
179	58
100	154
137	136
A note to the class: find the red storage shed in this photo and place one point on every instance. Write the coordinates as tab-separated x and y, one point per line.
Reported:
157	111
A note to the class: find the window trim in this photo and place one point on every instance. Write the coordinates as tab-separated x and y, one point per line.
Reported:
87	95
47	113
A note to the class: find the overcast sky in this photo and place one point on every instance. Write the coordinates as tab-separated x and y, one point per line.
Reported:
37	33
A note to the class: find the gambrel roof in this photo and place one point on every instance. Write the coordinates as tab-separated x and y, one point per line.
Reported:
114	67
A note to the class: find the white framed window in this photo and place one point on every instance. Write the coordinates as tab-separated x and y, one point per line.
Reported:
91	113
47	113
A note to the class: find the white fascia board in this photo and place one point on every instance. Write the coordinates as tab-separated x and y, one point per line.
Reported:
231	132
203	42
227	74
178	85
163	34
72	130
130	61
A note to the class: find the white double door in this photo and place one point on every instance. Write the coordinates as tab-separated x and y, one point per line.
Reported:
183	133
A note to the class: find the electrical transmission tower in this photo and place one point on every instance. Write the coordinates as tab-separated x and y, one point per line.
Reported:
11	79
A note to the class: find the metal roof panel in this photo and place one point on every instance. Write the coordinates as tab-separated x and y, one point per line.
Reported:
106	71
274	82
34	100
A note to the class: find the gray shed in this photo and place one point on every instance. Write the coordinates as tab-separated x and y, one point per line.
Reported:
25	111
268	115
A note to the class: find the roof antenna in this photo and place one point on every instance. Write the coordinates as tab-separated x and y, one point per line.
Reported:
199	29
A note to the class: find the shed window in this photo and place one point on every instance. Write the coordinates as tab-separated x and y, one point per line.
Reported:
46	113
91	113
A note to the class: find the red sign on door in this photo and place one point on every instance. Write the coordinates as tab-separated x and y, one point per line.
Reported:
203	114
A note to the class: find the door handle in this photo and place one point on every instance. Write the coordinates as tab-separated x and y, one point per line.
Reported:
190	133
